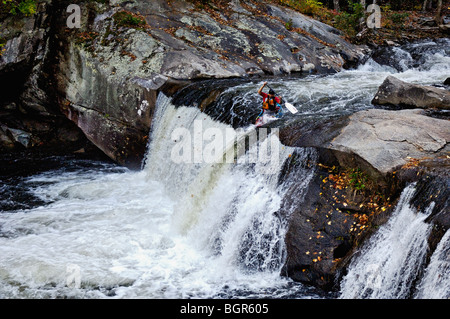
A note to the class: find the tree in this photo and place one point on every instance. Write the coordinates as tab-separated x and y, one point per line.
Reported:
438	17
336	5
427	4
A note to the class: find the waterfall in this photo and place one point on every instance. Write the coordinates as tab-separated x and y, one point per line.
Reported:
391	260
202	218
228	205
190	224
436	281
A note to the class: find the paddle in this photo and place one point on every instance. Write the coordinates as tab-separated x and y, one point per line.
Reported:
289	106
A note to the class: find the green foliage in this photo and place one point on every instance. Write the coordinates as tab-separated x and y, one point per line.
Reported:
392	19
349	22
2	44
399	18
288	25
358	179
127	19
311	7
308	7
16	7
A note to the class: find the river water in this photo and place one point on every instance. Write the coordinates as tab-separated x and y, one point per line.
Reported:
184	226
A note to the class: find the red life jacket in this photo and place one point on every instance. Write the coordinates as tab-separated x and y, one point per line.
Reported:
270	103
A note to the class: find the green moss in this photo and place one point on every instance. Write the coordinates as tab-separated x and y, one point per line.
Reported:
128	19
2	44
16	7
358	179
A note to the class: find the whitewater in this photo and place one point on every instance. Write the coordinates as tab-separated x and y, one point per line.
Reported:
202	230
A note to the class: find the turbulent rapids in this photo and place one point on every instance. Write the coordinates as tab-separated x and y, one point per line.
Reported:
199	220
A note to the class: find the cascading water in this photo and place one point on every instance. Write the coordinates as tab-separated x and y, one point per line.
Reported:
391	260
189	224
436	281
181	227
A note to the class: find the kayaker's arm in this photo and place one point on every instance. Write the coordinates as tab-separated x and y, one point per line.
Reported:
261	88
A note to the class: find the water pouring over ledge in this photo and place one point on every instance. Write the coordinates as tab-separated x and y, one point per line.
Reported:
160	233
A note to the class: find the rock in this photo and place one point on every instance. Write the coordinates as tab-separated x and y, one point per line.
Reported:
396	92
9	136
5	140
445	28
28	107
109	75
391	43
383	149
427	21
447	81
318	235
388	139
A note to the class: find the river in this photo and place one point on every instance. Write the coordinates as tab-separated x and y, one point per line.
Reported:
186	227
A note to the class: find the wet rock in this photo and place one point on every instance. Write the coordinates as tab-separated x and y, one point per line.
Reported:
329	221
20	136
110	74
383	149
396	92
5	140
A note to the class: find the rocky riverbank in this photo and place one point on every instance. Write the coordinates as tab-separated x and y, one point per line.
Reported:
96	87
105	75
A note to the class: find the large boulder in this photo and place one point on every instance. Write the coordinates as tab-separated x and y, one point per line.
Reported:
383	140
389	139
399	93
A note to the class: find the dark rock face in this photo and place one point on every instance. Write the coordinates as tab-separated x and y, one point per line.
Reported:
318	236
335	216
396	92
29	113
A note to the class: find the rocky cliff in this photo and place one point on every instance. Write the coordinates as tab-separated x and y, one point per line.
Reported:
105	75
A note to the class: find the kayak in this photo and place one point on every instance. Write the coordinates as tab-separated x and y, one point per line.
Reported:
266	118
